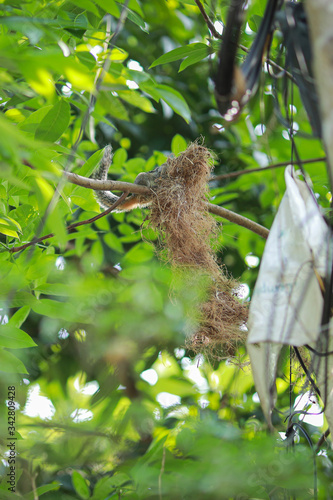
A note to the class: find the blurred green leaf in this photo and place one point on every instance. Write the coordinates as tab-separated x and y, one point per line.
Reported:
113	242
10	363
136	99
13	337
41	490
170	96
54	123
87	169
110	6
191	50
19	317
194	58
178	144
80	485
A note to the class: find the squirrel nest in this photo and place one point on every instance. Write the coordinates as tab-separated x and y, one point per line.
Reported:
179	213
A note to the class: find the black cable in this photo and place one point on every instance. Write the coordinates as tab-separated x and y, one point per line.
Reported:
317	353
306	371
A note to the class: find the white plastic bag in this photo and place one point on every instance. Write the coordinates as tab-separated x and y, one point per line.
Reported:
287	302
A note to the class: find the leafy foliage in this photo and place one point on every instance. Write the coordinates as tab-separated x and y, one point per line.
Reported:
108	401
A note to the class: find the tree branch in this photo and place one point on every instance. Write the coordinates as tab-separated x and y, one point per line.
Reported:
98	185
238	219
136	188
209	23
127	188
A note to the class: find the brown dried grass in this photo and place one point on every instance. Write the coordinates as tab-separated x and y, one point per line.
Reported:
189	234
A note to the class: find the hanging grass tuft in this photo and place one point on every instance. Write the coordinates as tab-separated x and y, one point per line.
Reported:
189	235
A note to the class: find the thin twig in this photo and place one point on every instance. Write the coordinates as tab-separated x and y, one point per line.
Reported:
209	23
322	439
259	169
71	227
160	475
33	484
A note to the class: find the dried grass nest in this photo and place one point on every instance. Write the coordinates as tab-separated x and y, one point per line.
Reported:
189	234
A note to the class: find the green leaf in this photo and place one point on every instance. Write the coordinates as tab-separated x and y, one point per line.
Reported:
88	204
97	252
254	22
135	165
87	169
174	385
142	252
81	22
19	317
171	96
9	223
194	58
56	223
178	144
14	338
87	59
119	479
10	363
8	232
31	123
87	5
26	216
54	124
45	488
9	495
193	49
14	223
133	97
104	487
80	485
113	242
119	158
113	106
27	26
22	299
175	101
136	19
109	6
55	289
60	310
133	5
